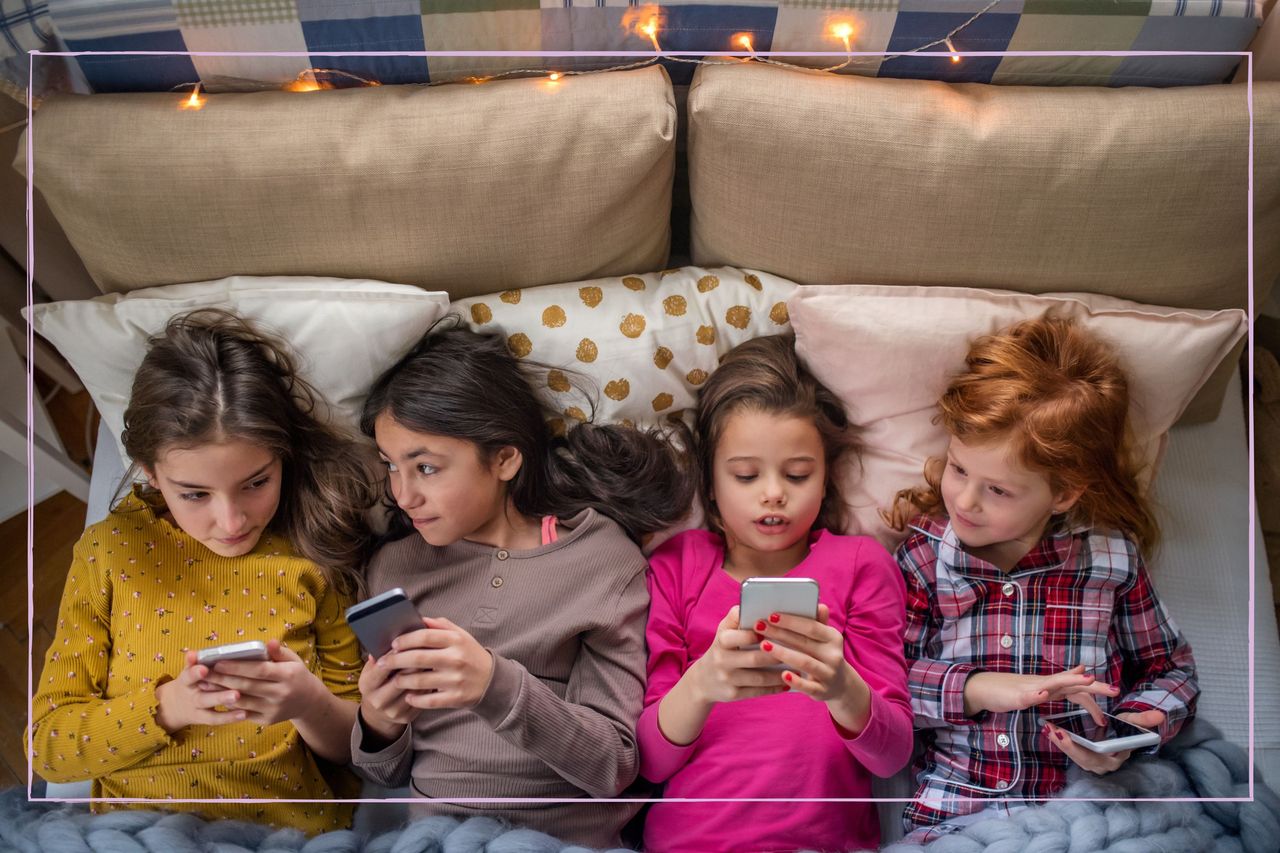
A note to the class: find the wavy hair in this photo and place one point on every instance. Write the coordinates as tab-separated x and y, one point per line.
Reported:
211	376
1059	395
765	375
467	385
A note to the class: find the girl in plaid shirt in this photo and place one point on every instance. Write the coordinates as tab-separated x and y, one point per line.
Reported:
1026	588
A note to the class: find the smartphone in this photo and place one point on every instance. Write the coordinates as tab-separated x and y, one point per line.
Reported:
1116	736
763	596
379	620
252	650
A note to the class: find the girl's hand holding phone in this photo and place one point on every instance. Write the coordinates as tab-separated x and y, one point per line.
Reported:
729	672
187	701
815	651
1008	691
1098	762
439	666
271	691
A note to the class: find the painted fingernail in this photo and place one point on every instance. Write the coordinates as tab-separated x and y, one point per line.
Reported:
786	676
1114	689
760	625
774	617
1059	735
767	646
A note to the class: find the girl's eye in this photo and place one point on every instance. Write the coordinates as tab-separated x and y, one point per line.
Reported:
192	496
390	466
957	469
258	484
744	478
999	492
424	468
797	478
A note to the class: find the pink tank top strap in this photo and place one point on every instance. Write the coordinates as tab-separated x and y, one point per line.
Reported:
549	534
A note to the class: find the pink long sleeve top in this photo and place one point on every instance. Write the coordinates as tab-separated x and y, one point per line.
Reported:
781	746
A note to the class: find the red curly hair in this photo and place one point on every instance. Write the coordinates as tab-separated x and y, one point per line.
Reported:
1059	395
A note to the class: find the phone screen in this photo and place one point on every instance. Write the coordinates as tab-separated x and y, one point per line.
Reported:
1082	724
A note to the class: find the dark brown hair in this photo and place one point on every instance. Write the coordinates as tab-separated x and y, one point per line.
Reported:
466	385
765	375
1060	396
209	377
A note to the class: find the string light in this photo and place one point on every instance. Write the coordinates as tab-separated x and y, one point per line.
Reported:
643	21
195	102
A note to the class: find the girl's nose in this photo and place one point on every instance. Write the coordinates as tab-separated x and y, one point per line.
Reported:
406	496
232	518
773	492
969	498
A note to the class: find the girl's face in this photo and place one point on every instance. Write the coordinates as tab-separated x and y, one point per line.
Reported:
998	508
223	494
768	478
448	491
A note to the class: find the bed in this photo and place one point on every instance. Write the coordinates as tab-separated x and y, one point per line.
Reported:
796	178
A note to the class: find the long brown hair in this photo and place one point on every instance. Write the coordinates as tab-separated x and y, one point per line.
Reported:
1060	396
211	376
764	375
467	385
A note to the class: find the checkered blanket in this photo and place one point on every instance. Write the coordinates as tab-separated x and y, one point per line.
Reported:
315	28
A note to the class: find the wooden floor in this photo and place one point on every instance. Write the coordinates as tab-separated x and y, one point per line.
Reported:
58	522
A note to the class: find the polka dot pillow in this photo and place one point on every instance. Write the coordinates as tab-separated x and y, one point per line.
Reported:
636	348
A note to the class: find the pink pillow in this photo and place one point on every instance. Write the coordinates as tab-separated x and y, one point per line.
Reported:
889	351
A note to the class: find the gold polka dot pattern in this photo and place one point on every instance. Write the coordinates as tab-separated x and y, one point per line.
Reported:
606	332
553	317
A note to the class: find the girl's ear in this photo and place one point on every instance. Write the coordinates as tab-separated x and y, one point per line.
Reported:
1064	501
506	463
151	477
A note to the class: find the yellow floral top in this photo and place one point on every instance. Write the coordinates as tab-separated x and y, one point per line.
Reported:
141	592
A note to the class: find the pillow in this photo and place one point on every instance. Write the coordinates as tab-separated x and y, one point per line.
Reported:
642	343
889	352
344	333
1135	193
462	188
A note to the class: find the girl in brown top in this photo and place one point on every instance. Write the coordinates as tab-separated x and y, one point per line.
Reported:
527	677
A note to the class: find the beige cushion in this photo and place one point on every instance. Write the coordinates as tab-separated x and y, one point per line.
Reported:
464	188
889	352
636	348
1135	193
344	333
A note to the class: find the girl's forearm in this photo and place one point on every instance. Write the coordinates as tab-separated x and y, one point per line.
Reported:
852	710
683	712
326	728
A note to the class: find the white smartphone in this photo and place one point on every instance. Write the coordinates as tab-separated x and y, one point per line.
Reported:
252	650
379	620
1116	736
763	596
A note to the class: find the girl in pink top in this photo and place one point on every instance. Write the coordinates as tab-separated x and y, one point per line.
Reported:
719	722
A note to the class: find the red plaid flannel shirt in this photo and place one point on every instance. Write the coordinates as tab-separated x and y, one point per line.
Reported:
1079	597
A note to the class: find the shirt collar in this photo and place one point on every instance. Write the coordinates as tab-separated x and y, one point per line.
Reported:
1052	551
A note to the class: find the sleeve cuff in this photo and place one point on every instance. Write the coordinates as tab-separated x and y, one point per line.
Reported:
389	754
659	757
953	696
505	685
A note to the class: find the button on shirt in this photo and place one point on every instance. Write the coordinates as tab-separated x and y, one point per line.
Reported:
1080	596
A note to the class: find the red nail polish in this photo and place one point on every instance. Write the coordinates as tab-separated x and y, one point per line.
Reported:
1059	735
761	626
774	617
786	676
767	646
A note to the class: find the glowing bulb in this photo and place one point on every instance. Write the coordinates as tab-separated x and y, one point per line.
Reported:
554	76
843	31
194	102
955	57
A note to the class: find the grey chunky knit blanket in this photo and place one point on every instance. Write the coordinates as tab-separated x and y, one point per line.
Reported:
1199	763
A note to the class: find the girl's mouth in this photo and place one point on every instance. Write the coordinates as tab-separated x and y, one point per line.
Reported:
771	524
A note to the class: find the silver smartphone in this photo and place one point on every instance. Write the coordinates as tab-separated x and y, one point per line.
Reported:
764	596
252	650
1116	736
379	620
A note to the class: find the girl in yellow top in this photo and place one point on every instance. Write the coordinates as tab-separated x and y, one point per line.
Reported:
250	527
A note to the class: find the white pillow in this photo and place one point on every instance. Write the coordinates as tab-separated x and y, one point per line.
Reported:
642	343
344	332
